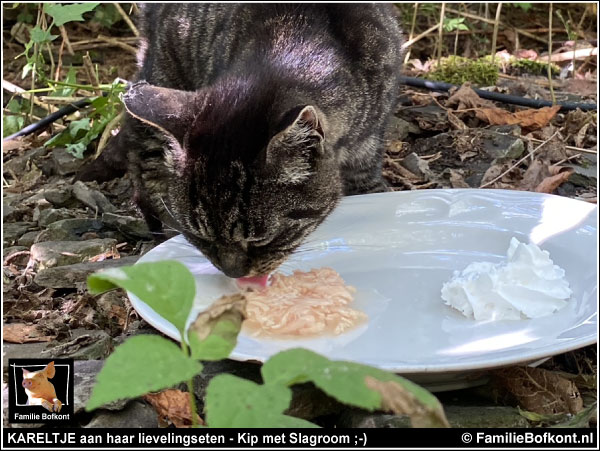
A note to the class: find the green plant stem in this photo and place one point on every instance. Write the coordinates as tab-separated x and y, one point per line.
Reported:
77	86
190	385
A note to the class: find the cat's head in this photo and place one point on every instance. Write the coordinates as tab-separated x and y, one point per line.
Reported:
250	181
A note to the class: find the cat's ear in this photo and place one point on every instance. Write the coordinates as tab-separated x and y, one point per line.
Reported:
306	124
294	151
170	110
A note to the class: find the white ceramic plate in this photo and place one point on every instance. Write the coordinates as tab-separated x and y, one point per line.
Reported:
398	249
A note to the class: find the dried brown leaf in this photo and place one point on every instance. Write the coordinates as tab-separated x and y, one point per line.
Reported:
395	398
173	406
535	173
532	118
465	98
456	123
539	390
549	184
23	333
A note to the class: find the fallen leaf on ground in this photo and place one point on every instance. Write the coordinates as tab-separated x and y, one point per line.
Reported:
23	333
549	184
173	406
535	173
465	98
397	399
538	390
532	118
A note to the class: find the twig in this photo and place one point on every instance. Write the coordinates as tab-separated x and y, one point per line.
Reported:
440	35
83	42
60	100
529	80
486	20
412	29
576	149
14	255
495	34
89	69
420	36
519	162
14	89
59	63
107	133
117	43
127	19
564	160
565	56
550	54
65	38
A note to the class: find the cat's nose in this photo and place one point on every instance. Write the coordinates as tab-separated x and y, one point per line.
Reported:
233	263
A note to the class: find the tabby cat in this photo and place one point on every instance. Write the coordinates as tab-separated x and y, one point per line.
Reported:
249	122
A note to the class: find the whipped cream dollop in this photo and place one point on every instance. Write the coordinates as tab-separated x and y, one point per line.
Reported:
527	285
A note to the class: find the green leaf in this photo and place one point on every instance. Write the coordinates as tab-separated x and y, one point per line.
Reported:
232	402
167	287
219	344
39	36
26	69
524	6
213	334
80	125
352	383
68	13
11	124
77	149
72	79
143	364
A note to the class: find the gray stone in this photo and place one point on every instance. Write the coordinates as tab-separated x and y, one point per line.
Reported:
60	253
18	165
12	231
585	174
65	163
501	146
86	372
458	417
128	225
85	345
60	196
309	402
7	211
92	198
21	351
69	229
417	166
399	129
74	276
27	239
137	414
51	215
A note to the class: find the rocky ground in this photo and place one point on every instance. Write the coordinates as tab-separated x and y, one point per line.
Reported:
56	232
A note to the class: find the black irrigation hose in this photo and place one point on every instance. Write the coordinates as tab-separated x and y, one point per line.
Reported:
410	81
69	109
504	98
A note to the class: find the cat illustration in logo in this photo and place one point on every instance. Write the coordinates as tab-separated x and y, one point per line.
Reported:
40	390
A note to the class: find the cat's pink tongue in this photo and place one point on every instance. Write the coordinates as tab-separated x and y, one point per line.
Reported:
252	282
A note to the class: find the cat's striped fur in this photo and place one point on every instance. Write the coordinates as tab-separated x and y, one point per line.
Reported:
252	121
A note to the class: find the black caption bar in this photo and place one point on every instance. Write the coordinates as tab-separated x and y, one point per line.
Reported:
297	438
